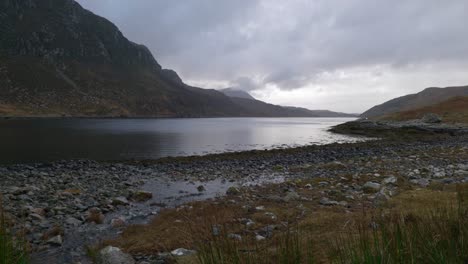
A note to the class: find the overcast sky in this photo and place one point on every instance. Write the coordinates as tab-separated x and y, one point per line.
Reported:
320	54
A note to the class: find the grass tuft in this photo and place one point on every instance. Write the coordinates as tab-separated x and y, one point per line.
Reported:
13	249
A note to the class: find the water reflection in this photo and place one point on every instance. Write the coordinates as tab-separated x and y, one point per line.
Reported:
115	139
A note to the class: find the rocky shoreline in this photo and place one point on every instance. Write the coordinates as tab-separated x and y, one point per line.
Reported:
66	205
386	128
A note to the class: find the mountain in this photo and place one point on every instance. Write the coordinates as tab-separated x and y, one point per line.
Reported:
319	113
454	110
232	92
57	58
427	97
260	108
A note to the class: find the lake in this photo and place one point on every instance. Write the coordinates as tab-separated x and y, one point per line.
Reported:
40	140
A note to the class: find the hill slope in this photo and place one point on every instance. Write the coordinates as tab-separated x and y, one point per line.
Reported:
260	108
57	58
454	110
231	92
413	101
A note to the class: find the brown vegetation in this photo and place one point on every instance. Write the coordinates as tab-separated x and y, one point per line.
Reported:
454	110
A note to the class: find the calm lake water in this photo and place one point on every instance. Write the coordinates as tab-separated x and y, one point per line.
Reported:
117	139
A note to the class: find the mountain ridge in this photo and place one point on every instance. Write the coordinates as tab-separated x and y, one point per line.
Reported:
428	96
59	59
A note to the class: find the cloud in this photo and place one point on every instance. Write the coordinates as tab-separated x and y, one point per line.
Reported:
293	47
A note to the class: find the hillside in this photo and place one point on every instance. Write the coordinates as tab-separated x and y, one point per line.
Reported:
454	110
59	59
427	97
260	108
231	92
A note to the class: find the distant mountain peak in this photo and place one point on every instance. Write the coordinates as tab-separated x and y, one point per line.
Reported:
233	92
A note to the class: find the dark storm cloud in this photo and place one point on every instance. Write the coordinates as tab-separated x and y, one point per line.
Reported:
290	44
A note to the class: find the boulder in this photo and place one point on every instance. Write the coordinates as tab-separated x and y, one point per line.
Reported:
431	118
371	187
113	255
55	241
327	202
389	180
180	252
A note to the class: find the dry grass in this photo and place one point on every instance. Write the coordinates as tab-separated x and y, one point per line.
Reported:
307	231
454	110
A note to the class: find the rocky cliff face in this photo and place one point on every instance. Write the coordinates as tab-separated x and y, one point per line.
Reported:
61	30
57	58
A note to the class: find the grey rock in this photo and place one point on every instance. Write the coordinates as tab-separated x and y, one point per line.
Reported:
259	238
371	186
73	221
114	255
120	201
431	118
183	252
327	202
292	196
390	180
55	241
420	182
235	237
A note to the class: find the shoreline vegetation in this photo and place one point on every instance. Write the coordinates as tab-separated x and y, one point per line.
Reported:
401	198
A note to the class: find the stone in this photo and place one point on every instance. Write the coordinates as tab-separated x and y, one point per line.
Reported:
260	208
431	118
389	180
420	182
371	187
120	201
259	238
38	211
327	202
461	173
73	221
291	196
141	196
233	191
114	255
235	237
55	241
180	252
37	217
201	188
